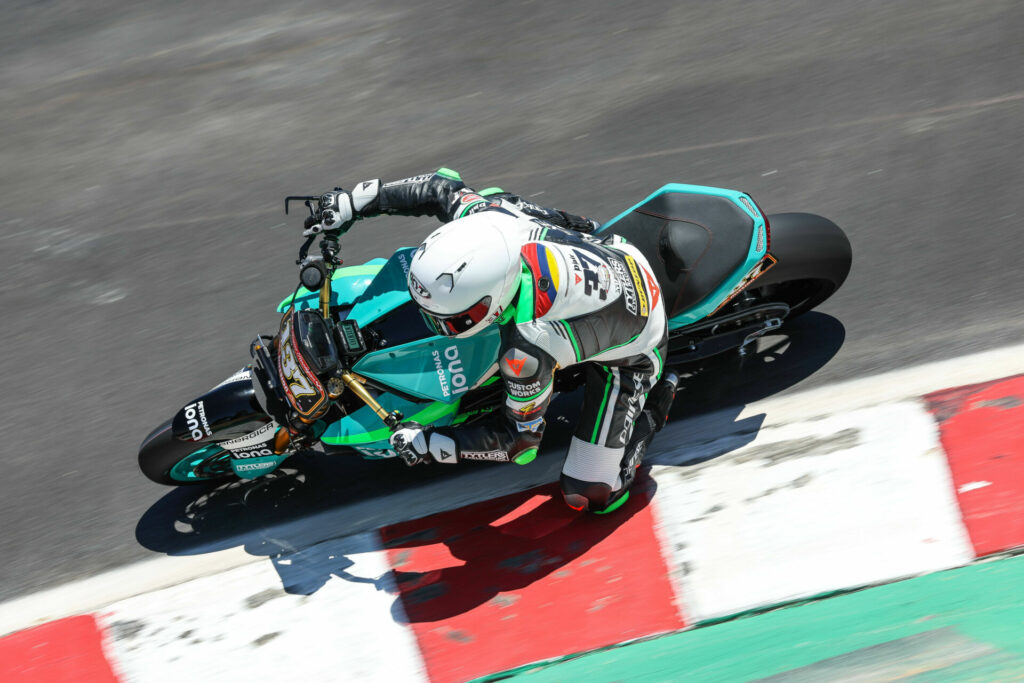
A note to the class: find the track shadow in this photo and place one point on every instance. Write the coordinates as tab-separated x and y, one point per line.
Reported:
196	520
452	562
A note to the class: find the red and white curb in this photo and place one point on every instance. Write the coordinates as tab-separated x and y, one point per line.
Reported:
852	485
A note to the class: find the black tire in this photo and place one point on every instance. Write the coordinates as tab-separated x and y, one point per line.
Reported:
814	258
164	459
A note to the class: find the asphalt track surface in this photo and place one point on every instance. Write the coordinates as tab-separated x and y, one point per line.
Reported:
147	147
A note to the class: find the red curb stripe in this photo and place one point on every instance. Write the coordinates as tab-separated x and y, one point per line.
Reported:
522	578
63	651
982	431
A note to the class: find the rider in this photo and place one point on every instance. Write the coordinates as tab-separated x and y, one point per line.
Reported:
561	297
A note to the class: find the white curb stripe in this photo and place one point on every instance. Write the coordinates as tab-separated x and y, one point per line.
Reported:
241	625
849	500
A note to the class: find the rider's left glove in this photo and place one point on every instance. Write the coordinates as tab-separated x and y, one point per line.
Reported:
416	444
340	209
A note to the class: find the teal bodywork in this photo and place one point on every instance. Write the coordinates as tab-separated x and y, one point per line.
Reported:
436	368
754	255
346	284
439	370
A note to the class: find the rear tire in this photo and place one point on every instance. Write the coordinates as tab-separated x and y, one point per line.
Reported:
814	258
173	462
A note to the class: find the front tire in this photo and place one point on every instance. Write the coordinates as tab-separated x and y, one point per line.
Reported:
173	462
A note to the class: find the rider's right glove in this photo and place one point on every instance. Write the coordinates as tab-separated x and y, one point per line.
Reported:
339	209
416	444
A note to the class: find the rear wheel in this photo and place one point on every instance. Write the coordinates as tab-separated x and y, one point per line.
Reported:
170	461
814	258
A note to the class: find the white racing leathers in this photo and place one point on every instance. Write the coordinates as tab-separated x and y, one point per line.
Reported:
582	300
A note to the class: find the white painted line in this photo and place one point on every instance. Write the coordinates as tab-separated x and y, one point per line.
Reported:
703	437
241	625
851	500
973	486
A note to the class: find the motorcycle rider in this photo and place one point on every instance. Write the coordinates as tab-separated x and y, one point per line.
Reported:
561	297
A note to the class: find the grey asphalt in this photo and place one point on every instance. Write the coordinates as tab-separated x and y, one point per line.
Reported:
145	149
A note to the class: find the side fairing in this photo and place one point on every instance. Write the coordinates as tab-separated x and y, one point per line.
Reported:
388	290
435	368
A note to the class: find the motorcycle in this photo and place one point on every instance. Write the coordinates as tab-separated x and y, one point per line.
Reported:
352	357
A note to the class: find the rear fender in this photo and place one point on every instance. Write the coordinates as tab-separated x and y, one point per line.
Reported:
228	411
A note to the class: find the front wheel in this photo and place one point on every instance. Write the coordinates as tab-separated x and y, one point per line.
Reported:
173	462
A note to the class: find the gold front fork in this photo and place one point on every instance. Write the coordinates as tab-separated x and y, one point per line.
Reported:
352	381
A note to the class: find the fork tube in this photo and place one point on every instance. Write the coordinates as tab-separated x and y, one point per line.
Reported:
325	297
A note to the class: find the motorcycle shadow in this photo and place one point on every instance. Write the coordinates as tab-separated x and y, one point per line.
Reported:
287	516
451	563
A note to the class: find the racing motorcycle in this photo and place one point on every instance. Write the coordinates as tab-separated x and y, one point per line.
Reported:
353	358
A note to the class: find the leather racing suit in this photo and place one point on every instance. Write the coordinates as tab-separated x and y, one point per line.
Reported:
583	300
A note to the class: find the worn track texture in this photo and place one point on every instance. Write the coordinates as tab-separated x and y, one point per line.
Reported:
147	147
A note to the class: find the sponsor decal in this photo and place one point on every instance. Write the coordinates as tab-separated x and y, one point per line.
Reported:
409	181
195	414
515	365
418	286
239	376
632	407
451	361
404	262
757	271
634	273
469	198
528	408
531	426
255	466
260	453
575	263
445	456
492	456
523	390
628	291
652	287
260	436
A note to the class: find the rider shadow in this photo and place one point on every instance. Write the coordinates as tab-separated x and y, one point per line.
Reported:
274	516
453	562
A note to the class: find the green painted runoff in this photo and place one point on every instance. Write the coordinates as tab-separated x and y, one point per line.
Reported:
964	624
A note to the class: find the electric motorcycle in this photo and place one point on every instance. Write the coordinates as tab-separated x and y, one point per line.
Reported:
352	357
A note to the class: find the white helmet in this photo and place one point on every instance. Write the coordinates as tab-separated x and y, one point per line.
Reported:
466	273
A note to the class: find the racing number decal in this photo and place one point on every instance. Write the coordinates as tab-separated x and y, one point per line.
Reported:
298	383
596	277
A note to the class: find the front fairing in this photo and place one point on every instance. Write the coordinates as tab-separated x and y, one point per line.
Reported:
431	372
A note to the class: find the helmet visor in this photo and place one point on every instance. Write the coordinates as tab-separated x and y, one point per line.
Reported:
451	325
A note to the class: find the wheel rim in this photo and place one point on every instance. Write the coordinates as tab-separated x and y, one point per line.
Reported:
209	462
